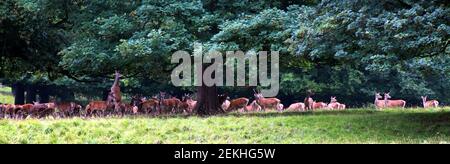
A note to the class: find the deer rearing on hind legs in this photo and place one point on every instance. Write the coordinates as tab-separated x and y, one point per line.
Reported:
393	103
429	104
116	94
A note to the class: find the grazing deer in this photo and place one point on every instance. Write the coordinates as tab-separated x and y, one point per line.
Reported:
253	107
393	103
309	102
41	110
239	103
429	104
235	104
267	103
379	104
296	107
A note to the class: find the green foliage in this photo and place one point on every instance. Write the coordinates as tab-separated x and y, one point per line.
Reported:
342	48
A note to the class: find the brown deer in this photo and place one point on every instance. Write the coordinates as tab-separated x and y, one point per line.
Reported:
309	102
296	107
42	110
393	103
170	104
115	92
429	104
379	104
187	104
267	103
237	104
66	109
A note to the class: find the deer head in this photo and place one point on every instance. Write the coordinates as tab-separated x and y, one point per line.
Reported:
387	95
378	95
333	99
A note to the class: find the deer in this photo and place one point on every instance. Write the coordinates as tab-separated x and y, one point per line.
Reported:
235	104
267	103
67	109
115	92
393	103
145	106
42	110
188	104
171	104
429	104
253	107
334	104
100	108
296	107
379	104
319	105
309	102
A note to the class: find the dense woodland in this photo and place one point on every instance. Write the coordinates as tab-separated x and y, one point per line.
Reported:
69	49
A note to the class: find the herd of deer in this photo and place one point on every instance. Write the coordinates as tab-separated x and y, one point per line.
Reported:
387	103
164	104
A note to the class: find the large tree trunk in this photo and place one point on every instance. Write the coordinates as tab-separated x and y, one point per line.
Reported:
18	90
31	94
44	94
207	100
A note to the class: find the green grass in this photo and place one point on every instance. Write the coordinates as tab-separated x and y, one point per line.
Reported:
353	126
6	96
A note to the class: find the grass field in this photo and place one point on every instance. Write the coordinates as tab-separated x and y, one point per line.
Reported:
6	96
352	126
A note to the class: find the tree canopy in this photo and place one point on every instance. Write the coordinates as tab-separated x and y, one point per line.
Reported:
345	48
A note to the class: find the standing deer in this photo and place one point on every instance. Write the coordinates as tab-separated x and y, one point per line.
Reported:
379	104
393	103
309	102
115	92
100	108
429	104
170	104
267	103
